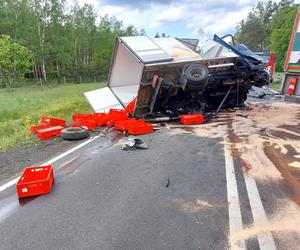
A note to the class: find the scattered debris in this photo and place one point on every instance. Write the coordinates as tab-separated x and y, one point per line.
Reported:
263	92
134	144
167	182
35	181
49	128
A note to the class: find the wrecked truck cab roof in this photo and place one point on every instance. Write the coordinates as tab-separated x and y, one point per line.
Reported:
130	58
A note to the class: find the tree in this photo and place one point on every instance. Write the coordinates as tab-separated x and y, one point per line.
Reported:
281	27
254	31
65	39
14	60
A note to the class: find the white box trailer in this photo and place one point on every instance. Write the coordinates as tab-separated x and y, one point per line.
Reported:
136	59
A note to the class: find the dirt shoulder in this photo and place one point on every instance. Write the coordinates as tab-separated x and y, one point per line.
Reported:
12	162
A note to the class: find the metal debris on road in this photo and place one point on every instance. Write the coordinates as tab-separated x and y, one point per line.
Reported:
167	182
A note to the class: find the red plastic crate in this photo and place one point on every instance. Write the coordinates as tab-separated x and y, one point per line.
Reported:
34	129
192	119
54	121
115	115
123	125
35	181
80	117
49	133
89	124
100	119
139	129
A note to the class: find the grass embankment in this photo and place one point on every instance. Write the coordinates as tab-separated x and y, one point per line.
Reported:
22	108
275	85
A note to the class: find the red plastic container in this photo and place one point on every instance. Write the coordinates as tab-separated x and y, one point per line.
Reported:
115	115
139	129
35	181
80	117
54	121
124	125
192	119
89	124
48	133
34	129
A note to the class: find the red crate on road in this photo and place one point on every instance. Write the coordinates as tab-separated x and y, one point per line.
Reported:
54	121
139	128
192	119
49	133
35	181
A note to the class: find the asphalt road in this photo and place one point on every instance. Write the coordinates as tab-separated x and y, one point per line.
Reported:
113	199
106	198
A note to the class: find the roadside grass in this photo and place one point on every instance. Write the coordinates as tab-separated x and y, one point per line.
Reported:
275	85
22	108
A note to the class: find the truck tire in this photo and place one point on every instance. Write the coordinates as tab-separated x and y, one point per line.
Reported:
196	76
74	133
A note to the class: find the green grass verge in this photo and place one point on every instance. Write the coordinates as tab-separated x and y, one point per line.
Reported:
22	108
275	85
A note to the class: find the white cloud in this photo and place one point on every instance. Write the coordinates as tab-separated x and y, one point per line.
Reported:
214	16
170	15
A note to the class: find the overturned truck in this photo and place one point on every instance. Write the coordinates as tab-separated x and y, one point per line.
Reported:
169	77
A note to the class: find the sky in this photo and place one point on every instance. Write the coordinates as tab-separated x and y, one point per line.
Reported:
182	18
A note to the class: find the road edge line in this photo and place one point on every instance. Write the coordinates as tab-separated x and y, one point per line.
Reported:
265	240
234	209
14	181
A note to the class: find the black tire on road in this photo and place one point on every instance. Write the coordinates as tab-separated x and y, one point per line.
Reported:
74	133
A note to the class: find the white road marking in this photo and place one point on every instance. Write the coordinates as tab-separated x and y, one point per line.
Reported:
14	181
265	240
234	209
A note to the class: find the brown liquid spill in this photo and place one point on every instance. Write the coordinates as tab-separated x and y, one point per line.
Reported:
291	175
197	205
284	135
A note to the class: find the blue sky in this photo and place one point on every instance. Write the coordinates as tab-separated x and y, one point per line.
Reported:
177	18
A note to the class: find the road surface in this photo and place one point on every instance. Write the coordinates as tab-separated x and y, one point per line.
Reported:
107	198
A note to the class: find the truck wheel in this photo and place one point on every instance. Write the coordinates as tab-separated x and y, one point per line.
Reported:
197	76
74	133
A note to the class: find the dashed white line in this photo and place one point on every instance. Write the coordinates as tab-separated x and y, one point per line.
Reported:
14	181
234	209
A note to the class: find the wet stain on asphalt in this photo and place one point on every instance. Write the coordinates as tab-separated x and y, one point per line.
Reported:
291	175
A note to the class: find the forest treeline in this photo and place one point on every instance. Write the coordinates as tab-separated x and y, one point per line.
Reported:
66	43
71	43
